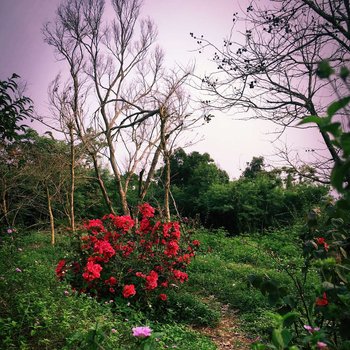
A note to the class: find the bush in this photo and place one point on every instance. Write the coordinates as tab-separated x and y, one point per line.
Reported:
121	260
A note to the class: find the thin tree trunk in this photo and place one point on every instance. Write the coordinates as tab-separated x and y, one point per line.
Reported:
72	174
167	186
102	185
52	220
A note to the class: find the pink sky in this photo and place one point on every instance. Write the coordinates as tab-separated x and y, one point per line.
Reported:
231	143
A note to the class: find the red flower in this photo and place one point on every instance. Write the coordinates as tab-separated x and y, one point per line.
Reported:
171	249
163	297
196	243
164	284
92	271
181	276
140	274
124	222
322	301
93	225
104	248
59	269
322	241
146	210
152	280
111	281
129	290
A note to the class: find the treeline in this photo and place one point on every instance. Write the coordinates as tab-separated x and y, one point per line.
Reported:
36	185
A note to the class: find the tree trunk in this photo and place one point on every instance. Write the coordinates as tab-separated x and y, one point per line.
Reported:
167	186
72	174
52	220
102	185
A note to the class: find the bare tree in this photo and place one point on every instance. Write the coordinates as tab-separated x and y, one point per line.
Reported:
126	80
272	70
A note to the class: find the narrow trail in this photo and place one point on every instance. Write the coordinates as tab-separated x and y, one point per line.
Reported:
227	335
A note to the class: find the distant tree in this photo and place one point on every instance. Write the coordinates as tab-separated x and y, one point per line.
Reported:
253	168
191	176
14	109
271	70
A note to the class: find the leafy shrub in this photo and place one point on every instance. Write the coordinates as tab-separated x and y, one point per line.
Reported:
119	259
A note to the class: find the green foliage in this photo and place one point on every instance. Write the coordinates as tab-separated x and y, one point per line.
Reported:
14	109
38	312
325	250
190	309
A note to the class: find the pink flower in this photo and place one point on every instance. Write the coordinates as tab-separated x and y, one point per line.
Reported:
141	332
18	269
321	345
311	329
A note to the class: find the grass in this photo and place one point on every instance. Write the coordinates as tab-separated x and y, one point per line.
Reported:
38	312
224	268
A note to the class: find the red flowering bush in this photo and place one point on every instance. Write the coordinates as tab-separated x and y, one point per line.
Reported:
119	259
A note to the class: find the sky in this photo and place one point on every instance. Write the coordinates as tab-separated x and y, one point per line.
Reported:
230	142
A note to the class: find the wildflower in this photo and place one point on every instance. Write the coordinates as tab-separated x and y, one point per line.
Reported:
113	330
322	301
66	293
18	269
321	345
141	332
311	329
322	241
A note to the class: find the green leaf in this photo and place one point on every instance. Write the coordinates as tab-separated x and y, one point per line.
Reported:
337	105
324	70
312	119
344	73
290	318
341	276
345	143
287	337
337	177
333	128
277	339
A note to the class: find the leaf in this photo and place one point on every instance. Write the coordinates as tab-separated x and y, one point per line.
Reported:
333	128
287	337
343	252
341	276
290	318
345	143
277	339
324	70
312	119
337	177
337	105
344	73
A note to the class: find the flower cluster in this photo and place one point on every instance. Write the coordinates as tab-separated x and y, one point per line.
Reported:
120	258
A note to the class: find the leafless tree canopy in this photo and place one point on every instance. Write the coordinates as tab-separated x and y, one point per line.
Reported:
270	69
117	87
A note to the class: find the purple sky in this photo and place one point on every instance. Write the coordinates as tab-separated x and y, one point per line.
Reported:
230	142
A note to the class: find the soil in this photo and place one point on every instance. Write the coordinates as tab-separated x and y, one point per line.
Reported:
227	335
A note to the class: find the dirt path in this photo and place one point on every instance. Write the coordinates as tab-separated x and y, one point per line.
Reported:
227	335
